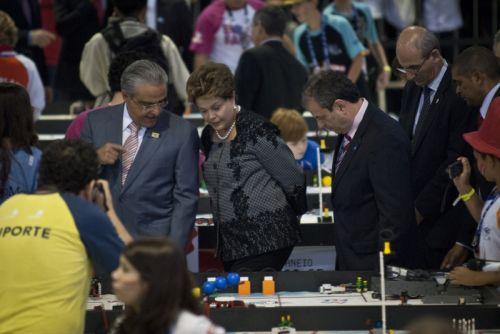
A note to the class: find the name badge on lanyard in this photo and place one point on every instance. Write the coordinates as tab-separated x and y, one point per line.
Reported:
326	52
324	45
477	237
238	33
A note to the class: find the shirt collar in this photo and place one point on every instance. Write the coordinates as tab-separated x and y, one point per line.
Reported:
358	119
487	100
434	85
127	120
271	39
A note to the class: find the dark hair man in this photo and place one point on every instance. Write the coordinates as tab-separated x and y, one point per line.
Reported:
48	238
371	192
268	76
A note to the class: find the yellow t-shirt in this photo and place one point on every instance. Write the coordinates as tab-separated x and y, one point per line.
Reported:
46	242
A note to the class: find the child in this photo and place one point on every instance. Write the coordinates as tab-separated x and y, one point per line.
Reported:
293	129
155	285
486	145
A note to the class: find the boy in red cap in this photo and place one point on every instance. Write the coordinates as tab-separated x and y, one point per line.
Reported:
486	145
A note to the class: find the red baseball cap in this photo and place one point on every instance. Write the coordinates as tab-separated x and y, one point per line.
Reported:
487	138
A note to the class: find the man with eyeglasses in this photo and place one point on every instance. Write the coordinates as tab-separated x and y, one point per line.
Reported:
434	118
149	156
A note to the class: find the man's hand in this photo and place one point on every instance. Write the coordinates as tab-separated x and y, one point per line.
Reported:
464	276
41	37
109	153
456	257
418	217
462	182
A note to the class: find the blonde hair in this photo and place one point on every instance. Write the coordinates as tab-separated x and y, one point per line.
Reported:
8	30
291	124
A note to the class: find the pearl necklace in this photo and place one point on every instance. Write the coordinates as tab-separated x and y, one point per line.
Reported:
237	109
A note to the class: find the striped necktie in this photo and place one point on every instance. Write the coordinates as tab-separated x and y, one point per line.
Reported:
344	147
130	146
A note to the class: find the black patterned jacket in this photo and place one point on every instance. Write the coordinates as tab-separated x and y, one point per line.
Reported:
257	191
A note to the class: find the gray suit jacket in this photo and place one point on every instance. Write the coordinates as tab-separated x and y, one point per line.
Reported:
160	195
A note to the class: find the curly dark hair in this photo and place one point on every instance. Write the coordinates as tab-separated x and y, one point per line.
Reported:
162	266
16	126
68	166
211	79
119	64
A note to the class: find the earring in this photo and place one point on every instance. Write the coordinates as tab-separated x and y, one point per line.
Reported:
236	108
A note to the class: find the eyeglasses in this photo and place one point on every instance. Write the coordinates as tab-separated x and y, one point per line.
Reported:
413	69
147	107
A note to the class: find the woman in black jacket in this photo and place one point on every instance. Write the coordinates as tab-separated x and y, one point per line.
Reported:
257	191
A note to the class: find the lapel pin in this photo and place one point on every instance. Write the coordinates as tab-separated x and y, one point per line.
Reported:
155	135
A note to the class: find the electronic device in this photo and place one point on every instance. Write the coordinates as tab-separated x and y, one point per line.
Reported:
455	169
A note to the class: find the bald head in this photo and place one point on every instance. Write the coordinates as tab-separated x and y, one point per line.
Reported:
417	50
417	39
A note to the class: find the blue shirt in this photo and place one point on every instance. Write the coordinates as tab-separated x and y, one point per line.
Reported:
342	44
23	173
310	159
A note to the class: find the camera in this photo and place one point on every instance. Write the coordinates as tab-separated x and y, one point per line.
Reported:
455	169
99	196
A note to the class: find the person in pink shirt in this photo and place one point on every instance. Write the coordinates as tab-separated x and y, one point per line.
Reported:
118	65
222	32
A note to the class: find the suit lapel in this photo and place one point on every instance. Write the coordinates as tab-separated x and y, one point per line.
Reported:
413	106
353	148
152	140
432	112
114	132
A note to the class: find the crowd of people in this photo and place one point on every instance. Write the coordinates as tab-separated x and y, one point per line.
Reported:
126	176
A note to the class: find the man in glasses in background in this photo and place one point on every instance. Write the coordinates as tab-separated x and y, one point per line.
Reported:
149	156
434	118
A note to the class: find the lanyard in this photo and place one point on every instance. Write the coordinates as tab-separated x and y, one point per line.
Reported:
244	38
493	197
231	17
324	44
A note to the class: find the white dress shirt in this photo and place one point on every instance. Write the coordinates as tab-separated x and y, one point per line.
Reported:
151	14
126	131
487	100
358	119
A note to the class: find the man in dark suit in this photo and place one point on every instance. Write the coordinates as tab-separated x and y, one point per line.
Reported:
149	156
476	74
434	118
371	191
174	19
268	76
31	37
76	21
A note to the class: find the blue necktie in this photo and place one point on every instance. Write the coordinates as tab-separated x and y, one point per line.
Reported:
425	109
